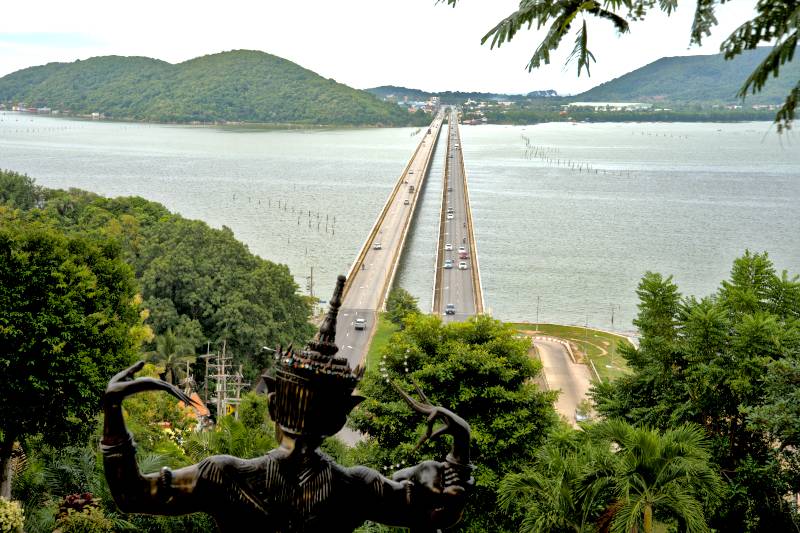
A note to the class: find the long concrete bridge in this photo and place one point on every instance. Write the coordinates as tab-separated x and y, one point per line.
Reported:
373	272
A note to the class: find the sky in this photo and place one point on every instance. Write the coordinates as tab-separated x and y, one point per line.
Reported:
362	43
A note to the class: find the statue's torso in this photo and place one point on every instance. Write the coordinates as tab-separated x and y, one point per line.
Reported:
276	494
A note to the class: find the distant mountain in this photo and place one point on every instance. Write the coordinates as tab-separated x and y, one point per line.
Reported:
703	79
453	97
241	85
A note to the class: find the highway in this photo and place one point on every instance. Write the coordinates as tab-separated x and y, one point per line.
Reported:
373	271
457	285
562	374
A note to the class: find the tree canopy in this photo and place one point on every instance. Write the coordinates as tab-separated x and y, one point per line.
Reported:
776	23
479	370
727	362
68	311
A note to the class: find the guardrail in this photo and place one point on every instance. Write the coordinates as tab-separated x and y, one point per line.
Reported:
436	301
373	231
477	284
389	280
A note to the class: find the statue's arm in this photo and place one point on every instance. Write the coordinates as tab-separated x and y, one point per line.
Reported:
167	492
425	497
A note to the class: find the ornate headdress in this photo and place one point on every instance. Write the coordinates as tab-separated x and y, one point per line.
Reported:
313	388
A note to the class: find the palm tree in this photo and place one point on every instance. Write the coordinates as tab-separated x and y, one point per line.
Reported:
172	352
649	472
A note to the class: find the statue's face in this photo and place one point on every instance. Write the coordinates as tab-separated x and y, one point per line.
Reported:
332	419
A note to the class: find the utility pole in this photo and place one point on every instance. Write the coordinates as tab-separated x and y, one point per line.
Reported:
537	313
310	283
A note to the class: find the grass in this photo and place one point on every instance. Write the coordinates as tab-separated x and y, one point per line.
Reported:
380	339
598	346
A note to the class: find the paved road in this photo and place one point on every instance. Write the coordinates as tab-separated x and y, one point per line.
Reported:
456	283
377	261
572	379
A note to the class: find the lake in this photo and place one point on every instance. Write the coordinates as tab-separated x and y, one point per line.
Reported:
569	216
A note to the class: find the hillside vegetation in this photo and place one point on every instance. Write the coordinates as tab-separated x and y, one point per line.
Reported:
241	86
706	79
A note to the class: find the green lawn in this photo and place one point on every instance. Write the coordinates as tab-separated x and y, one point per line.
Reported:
380	339
599	346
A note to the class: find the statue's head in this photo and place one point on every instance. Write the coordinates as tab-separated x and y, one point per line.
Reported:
311	392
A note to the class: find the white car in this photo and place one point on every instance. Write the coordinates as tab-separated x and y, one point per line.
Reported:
360	323
376	246
462	265
450	216
448	247
461	249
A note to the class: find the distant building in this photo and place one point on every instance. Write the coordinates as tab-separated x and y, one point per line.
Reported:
609	106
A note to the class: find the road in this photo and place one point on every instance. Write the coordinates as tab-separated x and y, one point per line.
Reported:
375	267
455	285
572	379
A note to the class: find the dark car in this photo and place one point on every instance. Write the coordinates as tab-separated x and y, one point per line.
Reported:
450	309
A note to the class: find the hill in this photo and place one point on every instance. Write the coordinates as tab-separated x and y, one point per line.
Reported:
453	97
240	85
702	79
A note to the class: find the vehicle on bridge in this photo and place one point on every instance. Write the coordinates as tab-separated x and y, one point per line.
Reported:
448	247
411	189
448	263
377	246
462	265
406	202
450	309
360	323
450	216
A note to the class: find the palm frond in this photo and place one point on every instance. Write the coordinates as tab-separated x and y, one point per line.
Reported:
581	50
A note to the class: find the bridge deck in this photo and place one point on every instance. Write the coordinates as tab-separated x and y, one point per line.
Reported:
373	271
458	286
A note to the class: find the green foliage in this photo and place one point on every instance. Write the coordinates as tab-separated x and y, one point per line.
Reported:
18	190
197	282
240	85
616	476
90	520
776	23
12	517
68	312
726	362
479	370
399	305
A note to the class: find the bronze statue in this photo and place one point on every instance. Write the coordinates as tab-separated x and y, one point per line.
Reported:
295	487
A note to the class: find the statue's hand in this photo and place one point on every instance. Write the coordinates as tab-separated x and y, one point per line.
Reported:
452	424
123	385
437	489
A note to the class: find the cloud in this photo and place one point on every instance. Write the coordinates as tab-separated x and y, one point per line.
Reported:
51	39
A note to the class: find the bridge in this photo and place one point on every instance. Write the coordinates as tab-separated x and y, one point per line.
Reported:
373	272
457	292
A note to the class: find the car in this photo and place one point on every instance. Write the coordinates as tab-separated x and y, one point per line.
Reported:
406	202
450	216
448	247
461	249
360	323
463	255
449	189
462	265
411	171
581	416
377	246
450	309
448	263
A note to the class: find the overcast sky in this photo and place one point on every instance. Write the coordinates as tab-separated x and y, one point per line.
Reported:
363	43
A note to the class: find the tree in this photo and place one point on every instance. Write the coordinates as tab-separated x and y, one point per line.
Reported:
18	190
68	312
652	475
172	352
479	370
399	305
776	23
725	362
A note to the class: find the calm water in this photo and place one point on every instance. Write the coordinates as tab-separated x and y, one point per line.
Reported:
682	199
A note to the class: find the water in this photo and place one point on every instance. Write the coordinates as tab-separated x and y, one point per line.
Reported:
682	199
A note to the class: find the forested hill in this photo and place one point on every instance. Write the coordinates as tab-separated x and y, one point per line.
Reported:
241	85
453	97
704	79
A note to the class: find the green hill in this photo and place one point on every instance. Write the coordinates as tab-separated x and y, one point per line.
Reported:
704	79
241	85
